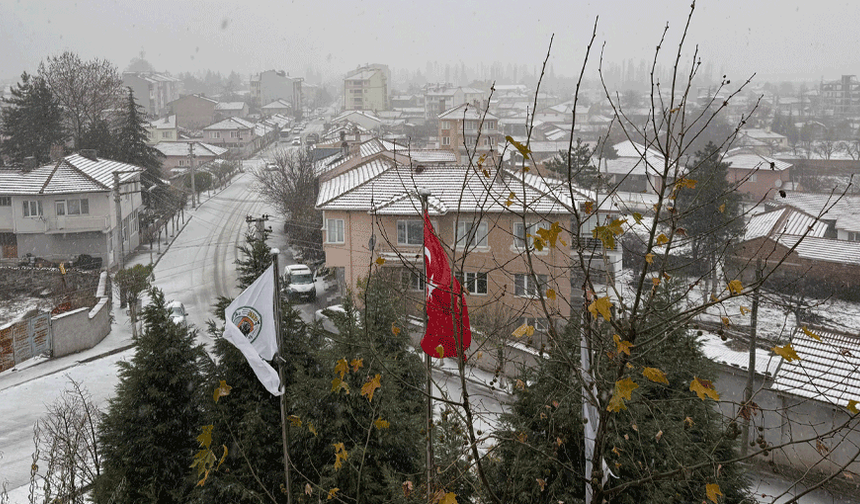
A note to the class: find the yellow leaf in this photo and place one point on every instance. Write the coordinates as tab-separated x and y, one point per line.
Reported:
621	346
295	421
370	387
521	384
550	293
655	281
655	375
522	437
685	182
440	351
601	306
723	208
811	334
713	490
538	243
337	385
340	455
704	388
395	330
616	450
661	239
688	421
380	261
341	368
332	493
588	207
380	424
744	310
485	172
524	150
649	258
221	390
523	330
550	235
356	364
623	390
449	498
852	406
309	490
786	352
726	321
312	429
205	437
637	217
735	287
558	441
526	169
541	483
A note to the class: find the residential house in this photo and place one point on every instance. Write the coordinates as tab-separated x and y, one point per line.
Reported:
372	210
234	133
761	141
838	213
441	97
459	130
757	176
177	154
162	130
279	106
364	119
152	90
223	110
366	88
276	84
67	208
193	112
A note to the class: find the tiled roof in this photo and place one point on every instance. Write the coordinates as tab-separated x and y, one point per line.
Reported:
168	122
465	111
73	174
784	221
826	370
843	210
231	123
755	162
715	349
823	249
380	185
181	149
230	106
277	104
432	156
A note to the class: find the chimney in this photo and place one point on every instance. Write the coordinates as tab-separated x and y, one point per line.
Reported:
355	150
344	149
90	154
56	152
30	163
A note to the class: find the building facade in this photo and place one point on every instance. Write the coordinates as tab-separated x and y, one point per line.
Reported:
152	90
193	112
276	84
366	88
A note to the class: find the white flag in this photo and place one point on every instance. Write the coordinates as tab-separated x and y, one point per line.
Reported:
250	327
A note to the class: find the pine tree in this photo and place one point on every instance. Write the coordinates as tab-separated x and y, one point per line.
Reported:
131	146
710	212
147	436
577	165
540	452
32	121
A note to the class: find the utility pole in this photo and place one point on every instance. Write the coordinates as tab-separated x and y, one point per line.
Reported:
260	222
193	182
118	217
748	390
285	429
425	194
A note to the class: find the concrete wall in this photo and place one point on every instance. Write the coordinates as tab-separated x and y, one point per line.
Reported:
83	328
63	247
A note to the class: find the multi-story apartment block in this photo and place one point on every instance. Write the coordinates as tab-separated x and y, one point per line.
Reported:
193	112
68	208
466	130
276	84
366	88
441	97
234	133
840	97
152	90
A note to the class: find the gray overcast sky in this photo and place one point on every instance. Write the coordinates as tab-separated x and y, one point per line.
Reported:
776	38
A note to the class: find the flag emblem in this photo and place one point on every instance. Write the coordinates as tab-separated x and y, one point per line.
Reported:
249	321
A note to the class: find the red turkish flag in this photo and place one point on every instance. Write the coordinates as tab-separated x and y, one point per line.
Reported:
442	324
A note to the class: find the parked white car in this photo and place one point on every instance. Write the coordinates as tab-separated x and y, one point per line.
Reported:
299	282
177	313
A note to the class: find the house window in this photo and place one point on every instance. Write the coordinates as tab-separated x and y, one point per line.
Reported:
753	177
475	282
524	285
471	235
234	134
410	232
60	207
412	280
446	140
540	324
214	134
522	232
5	200
853	236
165	134
32	208
79	206
334	231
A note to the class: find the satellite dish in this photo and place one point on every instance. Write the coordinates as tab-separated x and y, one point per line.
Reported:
777	183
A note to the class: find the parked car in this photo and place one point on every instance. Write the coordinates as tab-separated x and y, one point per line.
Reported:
297	141
299	282
178	315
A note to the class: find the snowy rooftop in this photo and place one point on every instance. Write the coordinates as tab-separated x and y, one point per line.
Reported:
72	174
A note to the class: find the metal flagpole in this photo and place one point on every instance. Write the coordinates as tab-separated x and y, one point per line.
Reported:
424	194
285	431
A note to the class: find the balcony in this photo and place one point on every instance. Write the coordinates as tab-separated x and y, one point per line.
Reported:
77	224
